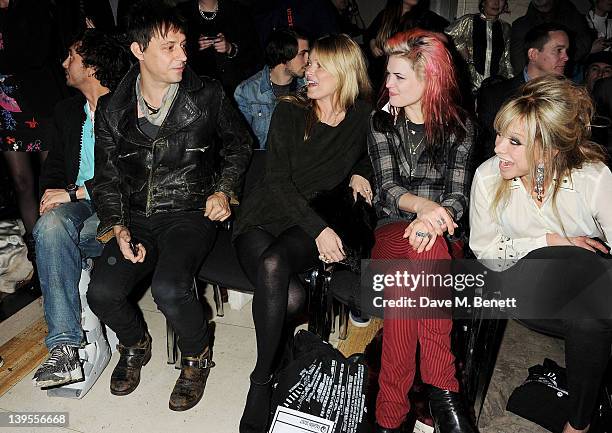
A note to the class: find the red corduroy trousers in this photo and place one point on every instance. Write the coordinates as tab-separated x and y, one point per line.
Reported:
400	336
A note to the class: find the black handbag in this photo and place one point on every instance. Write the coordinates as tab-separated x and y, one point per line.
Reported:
543	398
353	221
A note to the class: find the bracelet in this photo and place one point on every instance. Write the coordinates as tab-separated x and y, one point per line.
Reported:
233	52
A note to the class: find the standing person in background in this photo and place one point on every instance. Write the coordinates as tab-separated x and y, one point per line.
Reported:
286	57
221	41
599	21
316	142
30	86
420	144
558	12
483	40
316	17
398	15
107	15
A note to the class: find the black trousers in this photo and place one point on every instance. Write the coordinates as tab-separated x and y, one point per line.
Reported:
176	245
575	283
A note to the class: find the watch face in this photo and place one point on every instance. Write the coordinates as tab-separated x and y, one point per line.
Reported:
71	187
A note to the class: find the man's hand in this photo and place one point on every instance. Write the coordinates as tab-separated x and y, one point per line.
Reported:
217	207
123	240
52	198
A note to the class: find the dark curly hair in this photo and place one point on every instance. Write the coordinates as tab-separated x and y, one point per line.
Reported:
106	55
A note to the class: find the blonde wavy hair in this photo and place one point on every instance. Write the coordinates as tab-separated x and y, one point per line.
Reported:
342	58
556	115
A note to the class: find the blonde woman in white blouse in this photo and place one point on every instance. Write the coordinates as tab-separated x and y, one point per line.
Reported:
547	194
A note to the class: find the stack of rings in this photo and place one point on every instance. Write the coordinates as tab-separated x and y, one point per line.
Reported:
323	258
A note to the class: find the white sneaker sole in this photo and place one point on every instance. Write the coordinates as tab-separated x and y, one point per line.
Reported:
64	379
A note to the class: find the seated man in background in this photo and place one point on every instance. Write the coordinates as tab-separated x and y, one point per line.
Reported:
546	50
158	195
286	58
65	234
597	66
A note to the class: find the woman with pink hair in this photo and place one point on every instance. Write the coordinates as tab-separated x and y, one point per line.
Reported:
420	144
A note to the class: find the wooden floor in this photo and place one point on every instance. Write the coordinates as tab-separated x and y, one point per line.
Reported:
22	354
359	338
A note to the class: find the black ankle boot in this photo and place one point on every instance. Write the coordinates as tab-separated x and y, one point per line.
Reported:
189	387
257	408
448	412
126	375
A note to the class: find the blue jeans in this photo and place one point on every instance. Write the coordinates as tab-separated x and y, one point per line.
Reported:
64	237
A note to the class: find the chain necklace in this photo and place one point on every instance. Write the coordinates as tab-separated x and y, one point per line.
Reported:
214	13
412	149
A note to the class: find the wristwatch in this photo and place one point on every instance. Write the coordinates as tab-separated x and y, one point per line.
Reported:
72	189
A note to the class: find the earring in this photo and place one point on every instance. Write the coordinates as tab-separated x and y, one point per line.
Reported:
539	181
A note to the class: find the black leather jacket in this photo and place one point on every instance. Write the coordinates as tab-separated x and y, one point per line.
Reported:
177	170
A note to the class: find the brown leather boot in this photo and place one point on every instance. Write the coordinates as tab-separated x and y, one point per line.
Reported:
126	375
189	387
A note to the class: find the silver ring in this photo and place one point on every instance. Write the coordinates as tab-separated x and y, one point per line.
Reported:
420	234
441	222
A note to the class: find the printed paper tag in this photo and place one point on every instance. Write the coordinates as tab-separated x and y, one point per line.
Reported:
292	421
420	427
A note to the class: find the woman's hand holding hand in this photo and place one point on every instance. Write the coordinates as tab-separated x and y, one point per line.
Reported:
330	247
436	218
362	186
555	240
419	236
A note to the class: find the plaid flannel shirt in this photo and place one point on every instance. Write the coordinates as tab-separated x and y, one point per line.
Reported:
446	182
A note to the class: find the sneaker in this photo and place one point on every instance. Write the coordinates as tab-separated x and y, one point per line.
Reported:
359	320
62	367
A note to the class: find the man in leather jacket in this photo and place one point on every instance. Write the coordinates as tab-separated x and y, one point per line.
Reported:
158	195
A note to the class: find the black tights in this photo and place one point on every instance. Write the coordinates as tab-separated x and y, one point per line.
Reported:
20	167
272	264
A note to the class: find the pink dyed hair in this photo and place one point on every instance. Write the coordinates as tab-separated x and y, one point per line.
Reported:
433	64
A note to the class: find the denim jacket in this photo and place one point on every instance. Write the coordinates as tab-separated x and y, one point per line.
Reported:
256	101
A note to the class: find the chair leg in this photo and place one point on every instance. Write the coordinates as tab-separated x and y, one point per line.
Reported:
171	346
343	317
218	300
